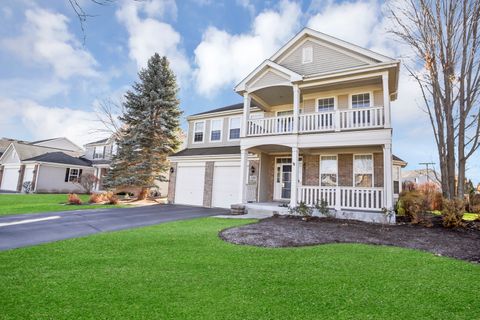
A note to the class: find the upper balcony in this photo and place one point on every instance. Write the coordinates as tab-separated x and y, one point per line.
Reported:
315	122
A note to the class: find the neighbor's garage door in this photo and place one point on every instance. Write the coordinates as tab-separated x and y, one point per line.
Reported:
189	184
10	178
226	184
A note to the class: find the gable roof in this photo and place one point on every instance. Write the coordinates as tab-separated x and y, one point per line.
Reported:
207	151
61	158
26	150
58	143
98	142
222	109
329	39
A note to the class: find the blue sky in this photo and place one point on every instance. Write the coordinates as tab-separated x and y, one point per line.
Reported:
51	82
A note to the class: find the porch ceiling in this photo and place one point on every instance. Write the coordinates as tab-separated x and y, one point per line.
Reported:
273	96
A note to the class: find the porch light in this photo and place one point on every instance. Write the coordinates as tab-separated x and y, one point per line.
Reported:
252	170
172	170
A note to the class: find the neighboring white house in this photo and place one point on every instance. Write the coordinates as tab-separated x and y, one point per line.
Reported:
421	176
314	124
49	165
100	154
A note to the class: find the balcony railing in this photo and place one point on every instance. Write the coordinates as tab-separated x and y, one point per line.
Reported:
338	120
342	197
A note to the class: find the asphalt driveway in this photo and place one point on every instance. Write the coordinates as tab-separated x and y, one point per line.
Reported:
31	229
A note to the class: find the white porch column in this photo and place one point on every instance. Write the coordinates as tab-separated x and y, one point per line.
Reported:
387	176
98	174
243	175
294	178
246	113
386	101
296	107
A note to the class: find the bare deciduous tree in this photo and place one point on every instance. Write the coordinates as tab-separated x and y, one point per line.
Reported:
87	181
108	115
444	35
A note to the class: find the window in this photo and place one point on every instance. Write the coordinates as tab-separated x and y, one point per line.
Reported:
198	130
307	55
73	175
363	170
328	171
361	100
216	130
99	152
234	128
327	104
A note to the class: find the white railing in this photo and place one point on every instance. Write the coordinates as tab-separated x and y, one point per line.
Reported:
318	121
342	197
338	120
362	118
271	125
311	195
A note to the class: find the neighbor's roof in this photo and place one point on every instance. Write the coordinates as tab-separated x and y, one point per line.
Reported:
207	151
27	151
222	109
98	142
44	140
62	158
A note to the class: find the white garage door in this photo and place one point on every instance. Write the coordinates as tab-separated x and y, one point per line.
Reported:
226	184
10	178
189	184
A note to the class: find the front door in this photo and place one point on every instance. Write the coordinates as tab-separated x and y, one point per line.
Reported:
283	181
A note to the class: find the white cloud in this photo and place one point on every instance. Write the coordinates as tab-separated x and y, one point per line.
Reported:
223	59
45	39
248	5
149	35
42	122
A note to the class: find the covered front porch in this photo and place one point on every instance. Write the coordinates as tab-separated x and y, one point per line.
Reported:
347	178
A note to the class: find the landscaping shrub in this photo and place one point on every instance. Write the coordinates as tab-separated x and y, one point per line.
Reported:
74	199
96	198
452	213
412	204
409	186
110	198
433	196
475	209
322	207
302	209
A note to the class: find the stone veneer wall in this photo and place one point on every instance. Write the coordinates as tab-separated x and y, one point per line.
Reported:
172	182
378	169
311	170
345	170
34	177
1	174
20	178
208	184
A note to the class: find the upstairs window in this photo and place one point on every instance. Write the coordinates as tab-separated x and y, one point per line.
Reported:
361	100
307	55
363	170
216	130
198	131
327	104
99	152
234	128
328	171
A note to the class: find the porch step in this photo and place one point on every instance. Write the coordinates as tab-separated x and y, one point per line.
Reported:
265	208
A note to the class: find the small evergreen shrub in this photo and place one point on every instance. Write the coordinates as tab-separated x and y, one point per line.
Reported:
302	209
74	199
452	213
322	207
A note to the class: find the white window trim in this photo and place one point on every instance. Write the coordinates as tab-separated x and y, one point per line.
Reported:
193	131
229	127
354	172
211	129
102	154
350	105
335	103
304	60
320	168
70	175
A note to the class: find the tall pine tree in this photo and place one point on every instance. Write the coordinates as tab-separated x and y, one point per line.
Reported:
150	129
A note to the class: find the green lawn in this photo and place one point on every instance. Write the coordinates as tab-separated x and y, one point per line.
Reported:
182	270
32	203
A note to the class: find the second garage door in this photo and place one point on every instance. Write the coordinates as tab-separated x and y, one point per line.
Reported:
10	178
189	184
226	184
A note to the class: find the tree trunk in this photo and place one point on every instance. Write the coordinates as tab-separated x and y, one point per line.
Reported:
143	194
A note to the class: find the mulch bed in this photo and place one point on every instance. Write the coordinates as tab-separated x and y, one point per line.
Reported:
285	231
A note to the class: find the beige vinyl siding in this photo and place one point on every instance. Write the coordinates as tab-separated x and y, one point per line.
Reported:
378	98
269	79
325	59
206	138
342	101
309	106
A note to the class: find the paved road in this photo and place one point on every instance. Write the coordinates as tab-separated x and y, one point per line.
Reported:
30	229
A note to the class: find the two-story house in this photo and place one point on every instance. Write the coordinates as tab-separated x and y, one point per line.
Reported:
315	123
